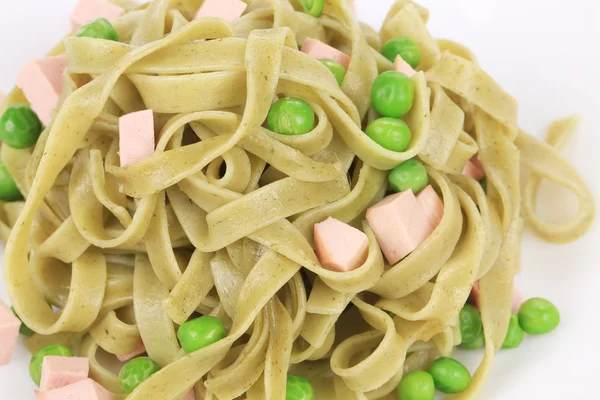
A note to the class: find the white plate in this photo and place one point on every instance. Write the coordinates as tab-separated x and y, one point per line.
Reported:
545	53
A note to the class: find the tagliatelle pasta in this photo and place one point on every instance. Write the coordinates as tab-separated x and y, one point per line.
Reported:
219	220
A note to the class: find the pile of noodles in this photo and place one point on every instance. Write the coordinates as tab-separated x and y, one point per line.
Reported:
219	220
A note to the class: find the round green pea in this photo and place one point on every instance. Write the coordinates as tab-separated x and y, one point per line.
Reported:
135	372
403	47
313	7
411	174
449	375
417	385
291	116
336	69
24	329
470	323
484	184
35	365
476	343
8	188
298	388
200	332
99	28
538	316
514	335
392	94
390	133
20	127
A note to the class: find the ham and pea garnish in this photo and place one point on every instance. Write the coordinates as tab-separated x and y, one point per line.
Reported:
406	206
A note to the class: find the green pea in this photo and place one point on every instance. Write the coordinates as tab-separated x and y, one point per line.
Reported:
8	188
298	388
514	335
135	372
20	127
336	69
313	7
484	184
99	28
391	314
411	174
393	94
403	47
476	343
449	375
291	116
24	329
538	316
390	133
417	385
200	332
470	323
35	365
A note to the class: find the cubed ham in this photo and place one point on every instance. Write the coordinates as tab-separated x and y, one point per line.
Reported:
139	350
339	246
9	332
229	10
402	66
42	83
320	50
432	206
86	389
63	371
474	169
87	10
400	225
516	301
190	395
136	137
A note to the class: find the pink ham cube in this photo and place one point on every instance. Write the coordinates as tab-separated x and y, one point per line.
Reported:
139	350
136	137
9	332
87	10
320	50
432	206
400	225
402	66
516	301
86	389
229	10
339	246
190	395
63	371
474	169
42	83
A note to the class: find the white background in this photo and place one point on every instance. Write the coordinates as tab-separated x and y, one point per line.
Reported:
545	53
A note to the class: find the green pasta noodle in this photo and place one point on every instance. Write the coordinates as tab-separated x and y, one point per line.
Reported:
219	219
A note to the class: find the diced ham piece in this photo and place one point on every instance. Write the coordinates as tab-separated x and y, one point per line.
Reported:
87	10
229	10
58	372
42	83
9	332
516	301
402	66
136	137
139	350
190	395
339	246
320	50
474	169
86	389
432	206
400	225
